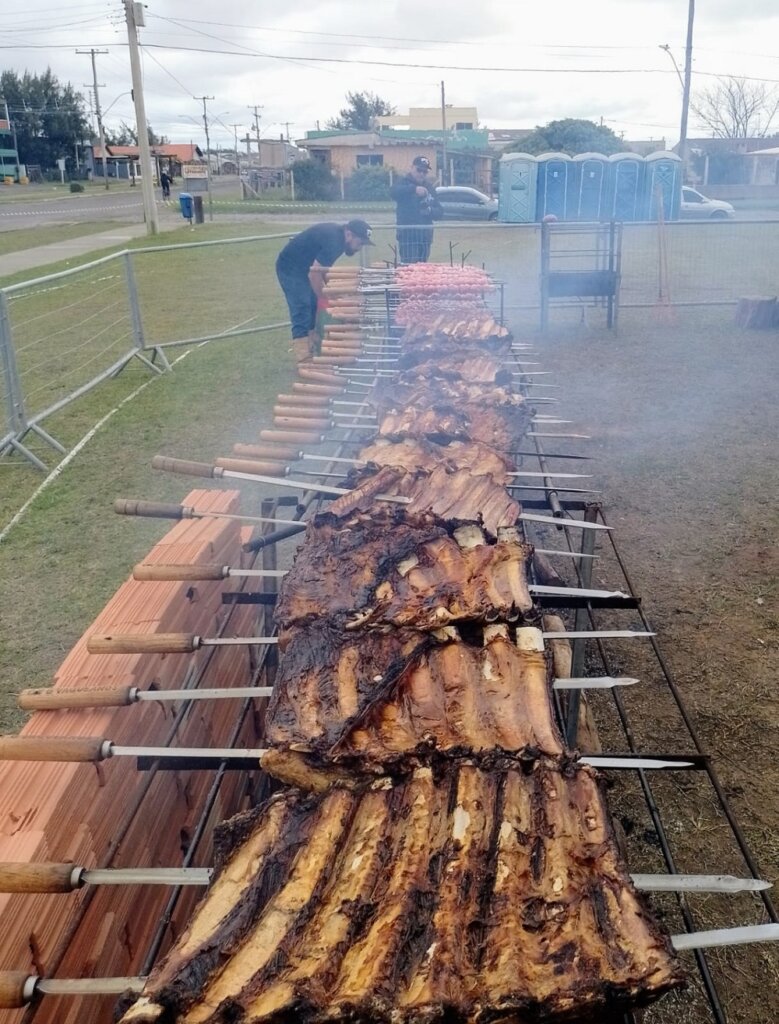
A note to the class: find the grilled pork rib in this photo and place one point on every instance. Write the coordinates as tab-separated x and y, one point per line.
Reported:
333	697
467	897
392	568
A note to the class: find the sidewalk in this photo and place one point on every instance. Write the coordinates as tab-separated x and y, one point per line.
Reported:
43	255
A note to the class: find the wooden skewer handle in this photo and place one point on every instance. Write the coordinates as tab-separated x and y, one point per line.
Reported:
306	412
143	643
318	401
300	423
151	509
49	699
292	436
184	466
144	571
51	748
253	466
41	877
12	985
300	388
265	451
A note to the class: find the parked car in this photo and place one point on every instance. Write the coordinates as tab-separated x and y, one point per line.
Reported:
696	205
466	203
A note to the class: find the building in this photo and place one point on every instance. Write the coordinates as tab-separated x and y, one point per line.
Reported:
644	147
9	158
469	159
424	119
726	162
123	162
500	138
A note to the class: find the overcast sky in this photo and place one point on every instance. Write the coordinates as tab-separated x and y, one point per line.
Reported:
298	59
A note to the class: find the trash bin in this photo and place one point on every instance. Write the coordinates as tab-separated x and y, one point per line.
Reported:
185	202
198	204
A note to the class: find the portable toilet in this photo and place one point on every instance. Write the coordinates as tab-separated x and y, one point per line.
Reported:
517	176
662	182
624	191
587	186
552	192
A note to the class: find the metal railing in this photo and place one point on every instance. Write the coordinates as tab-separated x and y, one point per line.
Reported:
63	334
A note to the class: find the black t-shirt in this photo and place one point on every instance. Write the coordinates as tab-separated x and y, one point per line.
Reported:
322	243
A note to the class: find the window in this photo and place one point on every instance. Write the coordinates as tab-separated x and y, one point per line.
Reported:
370	160
459	196
463	126
689	195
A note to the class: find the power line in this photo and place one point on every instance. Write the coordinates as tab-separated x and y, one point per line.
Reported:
169	73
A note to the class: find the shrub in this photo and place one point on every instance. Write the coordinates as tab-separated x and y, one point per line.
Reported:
76	186
370	184
314	181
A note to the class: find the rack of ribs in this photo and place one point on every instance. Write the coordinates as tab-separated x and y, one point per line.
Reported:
395	568
465	896
385	698
412	454
461	362
457	495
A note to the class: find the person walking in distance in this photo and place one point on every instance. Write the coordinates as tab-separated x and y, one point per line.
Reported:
416	209
165	182
301	268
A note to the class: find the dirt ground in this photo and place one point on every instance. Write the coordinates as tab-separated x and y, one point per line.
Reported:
682	409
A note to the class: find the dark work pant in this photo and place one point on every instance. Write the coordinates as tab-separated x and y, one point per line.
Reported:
301	301
414	244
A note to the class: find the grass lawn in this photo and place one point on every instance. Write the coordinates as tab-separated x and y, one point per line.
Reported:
31	238
50	192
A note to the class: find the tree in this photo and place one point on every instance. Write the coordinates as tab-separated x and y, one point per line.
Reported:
128	136
361	113
737	109
368	184
570	135
313	180
49	117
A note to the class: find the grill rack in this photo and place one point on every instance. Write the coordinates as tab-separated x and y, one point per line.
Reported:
589	653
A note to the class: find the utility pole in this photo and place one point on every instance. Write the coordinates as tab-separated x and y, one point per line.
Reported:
687	85
204	100
93	53
235	128
257	108
286	125
134	16
443	125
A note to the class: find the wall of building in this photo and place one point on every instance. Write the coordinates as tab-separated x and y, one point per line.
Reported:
343	159
426	119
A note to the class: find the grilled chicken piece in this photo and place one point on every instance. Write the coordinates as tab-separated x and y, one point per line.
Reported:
469	896
413	454
446	696
396	569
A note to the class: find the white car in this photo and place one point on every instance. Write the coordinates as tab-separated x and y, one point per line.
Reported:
462	203
694	204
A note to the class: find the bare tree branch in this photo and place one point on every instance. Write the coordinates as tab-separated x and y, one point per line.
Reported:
737	109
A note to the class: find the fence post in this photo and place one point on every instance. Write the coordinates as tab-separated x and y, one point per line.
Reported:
14	401
136	320
17	417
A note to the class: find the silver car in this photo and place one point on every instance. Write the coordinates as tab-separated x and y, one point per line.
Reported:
694	204
461	203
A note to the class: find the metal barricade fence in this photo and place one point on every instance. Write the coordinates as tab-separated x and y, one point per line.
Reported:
61	335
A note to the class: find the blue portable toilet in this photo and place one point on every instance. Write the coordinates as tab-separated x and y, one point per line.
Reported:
587	186
662	183
552	192
625	187
517	188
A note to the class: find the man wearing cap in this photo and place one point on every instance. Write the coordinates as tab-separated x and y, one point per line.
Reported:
417	208
301	267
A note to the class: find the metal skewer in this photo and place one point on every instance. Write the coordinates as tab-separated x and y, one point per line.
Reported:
17	988
96	749
66	877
